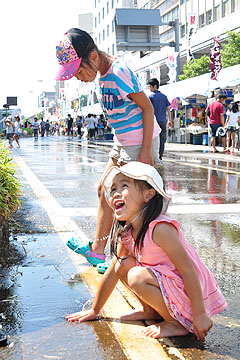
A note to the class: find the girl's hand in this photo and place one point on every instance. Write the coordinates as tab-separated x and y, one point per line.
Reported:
201	325
82	316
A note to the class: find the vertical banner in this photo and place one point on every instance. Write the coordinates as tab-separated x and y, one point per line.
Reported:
81	101
192	27
172	66
215	59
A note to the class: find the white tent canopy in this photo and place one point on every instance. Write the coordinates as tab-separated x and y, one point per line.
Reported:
202	85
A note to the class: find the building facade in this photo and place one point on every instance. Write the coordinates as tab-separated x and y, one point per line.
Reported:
213	18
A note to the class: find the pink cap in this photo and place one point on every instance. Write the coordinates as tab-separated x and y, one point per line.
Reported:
68	59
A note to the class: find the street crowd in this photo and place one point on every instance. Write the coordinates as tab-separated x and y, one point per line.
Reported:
91	127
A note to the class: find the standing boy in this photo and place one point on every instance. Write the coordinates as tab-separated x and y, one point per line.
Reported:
161	107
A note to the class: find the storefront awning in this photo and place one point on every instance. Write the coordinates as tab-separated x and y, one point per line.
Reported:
202	85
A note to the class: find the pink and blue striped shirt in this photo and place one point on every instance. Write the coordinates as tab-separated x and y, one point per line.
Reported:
122	113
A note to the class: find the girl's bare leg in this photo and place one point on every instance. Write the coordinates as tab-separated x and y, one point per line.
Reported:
228	139
122	267
144	283
105	216
233	141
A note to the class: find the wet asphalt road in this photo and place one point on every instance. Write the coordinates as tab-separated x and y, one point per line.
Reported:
44	287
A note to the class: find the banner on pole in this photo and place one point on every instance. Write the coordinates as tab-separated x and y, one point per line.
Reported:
215	58
192	27
172	66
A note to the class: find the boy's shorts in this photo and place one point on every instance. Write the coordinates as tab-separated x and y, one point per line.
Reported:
214	128
124	154
10	135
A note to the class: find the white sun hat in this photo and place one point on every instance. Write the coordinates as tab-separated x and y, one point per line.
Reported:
139	171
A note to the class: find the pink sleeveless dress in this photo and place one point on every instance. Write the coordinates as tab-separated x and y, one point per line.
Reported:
170	281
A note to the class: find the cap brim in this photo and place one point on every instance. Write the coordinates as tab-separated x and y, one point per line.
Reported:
113	171
67	71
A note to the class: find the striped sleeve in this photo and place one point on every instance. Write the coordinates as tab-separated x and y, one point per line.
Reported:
126	81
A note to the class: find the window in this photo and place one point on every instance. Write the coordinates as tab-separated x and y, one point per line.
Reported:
216	13
209	17
108	7
103	13
99	19
108	50
182	31
103	35
201	21
99	38
226	7
112	4
95	3
113	49
182	2
108	30
95	22
113	26
95	40
236	5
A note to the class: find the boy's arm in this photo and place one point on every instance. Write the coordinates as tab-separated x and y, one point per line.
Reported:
145	154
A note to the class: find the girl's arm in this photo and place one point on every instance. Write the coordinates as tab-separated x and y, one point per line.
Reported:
106	287
166	236
227	120
145	154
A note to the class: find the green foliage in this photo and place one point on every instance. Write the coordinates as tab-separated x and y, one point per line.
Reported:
231	50
28	130
195	67
9	184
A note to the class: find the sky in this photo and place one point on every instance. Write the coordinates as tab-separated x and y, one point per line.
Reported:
29	33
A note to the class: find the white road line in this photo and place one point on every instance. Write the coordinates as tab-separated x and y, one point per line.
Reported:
173	209
193	164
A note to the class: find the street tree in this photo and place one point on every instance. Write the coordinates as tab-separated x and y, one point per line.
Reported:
231	50
195	67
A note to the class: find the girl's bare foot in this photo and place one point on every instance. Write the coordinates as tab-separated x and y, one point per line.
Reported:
165	329
145	314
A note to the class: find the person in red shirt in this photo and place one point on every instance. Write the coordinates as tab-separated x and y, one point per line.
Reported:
215	113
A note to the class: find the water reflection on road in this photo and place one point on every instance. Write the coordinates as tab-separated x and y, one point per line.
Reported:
70	172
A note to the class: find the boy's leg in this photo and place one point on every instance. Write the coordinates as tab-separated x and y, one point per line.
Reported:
105	215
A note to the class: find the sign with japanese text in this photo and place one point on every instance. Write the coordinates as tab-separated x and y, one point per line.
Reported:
192	27
215	59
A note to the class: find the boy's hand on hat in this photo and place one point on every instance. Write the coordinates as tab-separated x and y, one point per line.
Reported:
145	156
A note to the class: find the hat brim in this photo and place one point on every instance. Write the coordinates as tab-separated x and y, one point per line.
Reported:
132	172
68	70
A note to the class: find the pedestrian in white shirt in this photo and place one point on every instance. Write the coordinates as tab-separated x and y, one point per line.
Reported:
18	130
90	126
233	116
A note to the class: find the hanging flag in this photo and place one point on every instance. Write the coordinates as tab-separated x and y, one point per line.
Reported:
192	27
172	66
215	58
